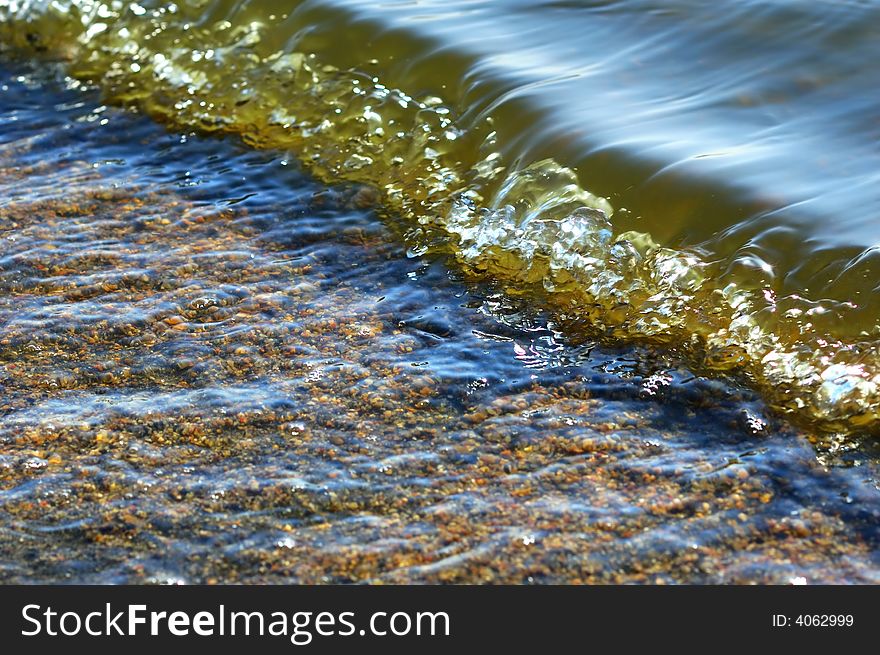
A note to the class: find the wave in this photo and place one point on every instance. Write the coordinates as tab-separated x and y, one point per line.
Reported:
418	123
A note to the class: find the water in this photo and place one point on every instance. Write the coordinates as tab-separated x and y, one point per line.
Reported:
411	340
655	172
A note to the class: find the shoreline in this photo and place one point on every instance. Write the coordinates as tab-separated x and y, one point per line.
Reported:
217	369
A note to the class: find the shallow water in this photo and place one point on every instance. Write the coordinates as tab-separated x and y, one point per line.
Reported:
682	173
215	368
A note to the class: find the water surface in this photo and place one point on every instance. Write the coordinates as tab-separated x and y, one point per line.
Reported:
214	368
700	176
